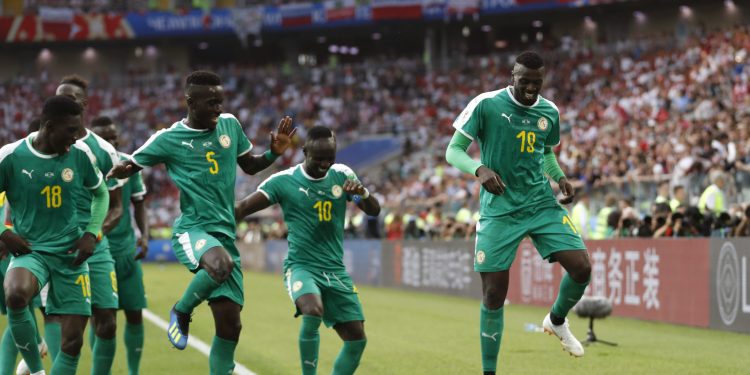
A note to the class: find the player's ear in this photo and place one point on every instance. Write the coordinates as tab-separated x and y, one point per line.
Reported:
304	150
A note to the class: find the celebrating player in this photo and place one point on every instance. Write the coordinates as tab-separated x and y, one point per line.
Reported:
313	197
201	153
516	129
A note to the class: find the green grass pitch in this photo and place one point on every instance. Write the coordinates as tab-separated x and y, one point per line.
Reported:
413	333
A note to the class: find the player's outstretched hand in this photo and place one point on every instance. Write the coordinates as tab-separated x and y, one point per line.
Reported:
353	187
14	243
121	171
282	139
85	247
490	180
567	189
143	244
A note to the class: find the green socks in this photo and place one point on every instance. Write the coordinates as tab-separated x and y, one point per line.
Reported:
8	353
24	335
309	343
491	332
53	337
65	364
221	358
103	355
570	293
199	289
134	346
349	357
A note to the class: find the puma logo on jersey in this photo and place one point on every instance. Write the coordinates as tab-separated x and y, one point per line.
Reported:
310	363
306	191
190	144
493	336
27	172
507	117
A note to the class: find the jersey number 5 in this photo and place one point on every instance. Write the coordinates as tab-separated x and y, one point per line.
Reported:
527	140
53	195
214	169
324	210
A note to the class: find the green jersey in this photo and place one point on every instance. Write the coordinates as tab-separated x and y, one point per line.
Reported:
203	165
3	209
122	237
106	158
314	211
42	190
512	138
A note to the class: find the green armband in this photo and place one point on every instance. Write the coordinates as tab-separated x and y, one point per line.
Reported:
270	156
551	167
99	207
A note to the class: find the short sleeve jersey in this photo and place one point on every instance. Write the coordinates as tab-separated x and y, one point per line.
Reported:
3	209
512	138
106	158
203	165
122	237
314	212
42	190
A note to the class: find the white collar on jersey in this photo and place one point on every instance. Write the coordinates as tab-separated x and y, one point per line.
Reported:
311	178
30	143
186	126
513	98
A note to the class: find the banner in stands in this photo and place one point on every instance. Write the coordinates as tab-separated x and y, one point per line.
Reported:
159	24
64	26
730	285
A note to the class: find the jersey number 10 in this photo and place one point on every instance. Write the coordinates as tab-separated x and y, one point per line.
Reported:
324	210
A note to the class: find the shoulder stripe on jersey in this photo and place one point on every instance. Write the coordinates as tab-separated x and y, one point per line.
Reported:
87	150
150	140
343	168
9	148
465	115
229	115
551	104
289	171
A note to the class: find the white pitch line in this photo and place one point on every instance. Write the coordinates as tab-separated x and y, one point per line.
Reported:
193	341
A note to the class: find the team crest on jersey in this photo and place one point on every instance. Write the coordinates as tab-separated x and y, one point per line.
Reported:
225	141
297	286
542	123
67	175
199	244
480	257
337	191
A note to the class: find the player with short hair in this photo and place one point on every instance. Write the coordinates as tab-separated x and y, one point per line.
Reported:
40	175
313	197
123	247
201	153
516	129
104	298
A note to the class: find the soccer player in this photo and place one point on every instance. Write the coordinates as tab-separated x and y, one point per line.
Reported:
313	197
40	175
123	244
104	298
516	129
201	153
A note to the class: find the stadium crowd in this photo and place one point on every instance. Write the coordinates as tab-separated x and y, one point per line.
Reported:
633	117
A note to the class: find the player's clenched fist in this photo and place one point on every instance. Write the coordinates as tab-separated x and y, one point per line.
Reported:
85	246
353	187
490	180
15	244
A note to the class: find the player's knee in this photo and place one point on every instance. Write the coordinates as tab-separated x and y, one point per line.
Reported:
71	343
134	316
106	328
582	273
16	296
493	298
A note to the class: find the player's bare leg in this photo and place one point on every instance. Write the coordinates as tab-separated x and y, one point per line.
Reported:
572	286
72	327
494	290
228	326
103	337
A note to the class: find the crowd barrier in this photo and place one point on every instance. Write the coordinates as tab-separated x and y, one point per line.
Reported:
696	282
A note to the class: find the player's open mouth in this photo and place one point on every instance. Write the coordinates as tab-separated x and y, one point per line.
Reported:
530	95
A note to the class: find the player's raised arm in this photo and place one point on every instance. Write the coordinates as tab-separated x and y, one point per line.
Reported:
123	170
253	203
457	156
280	142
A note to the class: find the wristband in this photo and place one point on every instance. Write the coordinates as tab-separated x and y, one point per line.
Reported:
270	156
